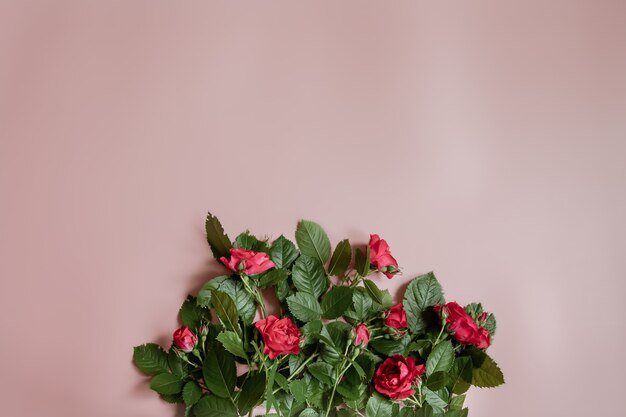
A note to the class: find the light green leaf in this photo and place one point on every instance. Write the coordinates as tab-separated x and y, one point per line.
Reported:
436	402
323	372
441	358
232	343
490	325
341	258
251	393
191	393
313	241
298	390
488	375
218	240
150	358
214	406
308	276
226	310
308	412
336	302
456	403
166	384
378	406
304	306
283	252
220	373
422	293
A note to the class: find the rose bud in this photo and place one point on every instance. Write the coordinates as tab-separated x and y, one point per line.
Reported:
185	339
396	376
463	328
281	336
247	261
362	335
381	258
396	317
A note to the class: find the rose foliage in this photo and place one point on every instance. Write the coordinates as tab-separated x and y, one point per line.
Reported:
296	329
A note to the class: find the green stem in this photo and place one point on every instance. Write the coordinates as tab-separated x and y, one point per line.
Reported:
301	367
339	375
256	294
440	333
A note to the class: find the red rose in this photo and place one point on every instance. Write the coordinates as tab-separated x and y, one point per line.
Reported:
463	327
185	339
281	336
362	335
247	261
396	376
396	317
381	258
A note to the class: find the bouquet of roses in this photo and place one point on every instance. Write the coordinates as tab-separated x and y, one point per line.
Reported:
335	343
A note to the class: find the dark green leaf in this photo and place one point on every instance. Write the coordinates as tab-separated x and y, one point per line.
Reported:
425	411
308	276
204	296
251	393
309	412
441	358
456	403
423	292
218	240
166	384
283	252
272	277
341	258
220	374
460	375
323	372
304	306
488	375
373	291
191	393
436	402
391	347
244	302
336	302
313	241
176	364
437	380
232	343
378	406
247	241
226	310
213	406
362	262
192	315
362	304
298	390
150	358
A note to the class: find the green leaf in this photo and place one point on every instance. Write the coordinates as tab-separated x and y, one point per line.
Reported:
220	373
244	302
191	393
437	380
247	241
310	331
378	406
460	375
425	411
166	384
283	252
213	406
341	258
304	306
436	402
232	343
488	375
313	241
373	291
226	310
272	277
441	358
391	347
422	293
218	240
362	304
150	358
309	412
362	262
456	403
298	390
176	364
192	315
336	302
251	393
308	276
490	325
206	292
323	372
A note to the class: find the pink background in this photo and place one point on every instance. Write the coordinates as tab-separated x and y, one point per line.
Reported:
485	140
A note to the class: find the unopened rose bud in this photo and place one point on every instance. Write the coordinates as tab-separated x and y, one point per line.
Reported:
361	335
185	339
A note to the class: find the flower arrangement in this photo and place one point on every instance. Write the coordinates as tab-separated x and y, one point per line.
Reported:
336	345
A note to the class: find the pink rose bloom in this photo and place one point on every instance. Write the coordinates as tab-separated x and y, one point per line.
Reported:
381	258
396	317
185	339
247	261
281	336
463	328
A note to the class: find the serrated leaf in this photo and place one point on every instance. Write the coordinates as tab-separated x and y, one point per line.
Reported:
304	306
309	412
272	278
323	372
214	406
362	262
150	358
226	310
423	292
374	292
441	358
341	258
434	400
460	375
336	302
192	315
488	375
437	380
391	347
176	364
220	373
232	343
298	389
313	241
191	393
218	240
206	292
308	276
244	301
251	393
247	241
362	304
166	384
490	325
283	252
378	406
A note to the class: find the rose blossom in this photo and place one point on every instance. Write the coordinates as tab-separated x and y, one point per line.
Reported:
381	258
463	327
396	376
185	339
362	336
247	261
281	336
396	317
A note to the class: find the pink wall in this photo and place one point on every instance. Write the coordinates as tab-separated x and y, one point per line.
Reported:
484	140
